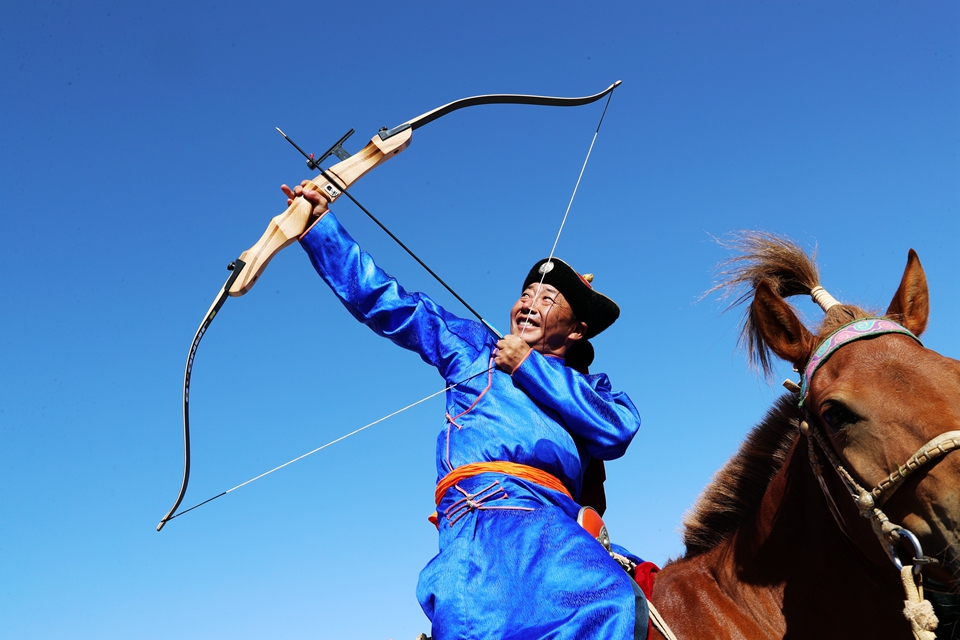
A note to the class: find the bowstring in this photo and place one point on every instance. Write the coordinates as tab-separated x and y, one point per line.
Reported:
332	442
556	241
566	213
579	177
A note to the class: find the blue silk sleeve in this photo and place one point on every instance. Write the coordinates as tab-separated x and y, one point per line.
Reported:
411	320
604	419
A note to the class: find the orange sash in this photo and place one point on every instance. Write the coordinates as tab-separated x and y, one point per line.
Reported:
521	471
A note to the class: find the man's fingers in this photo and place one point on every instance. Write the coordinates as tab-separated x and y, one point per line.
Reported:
290	193
302	190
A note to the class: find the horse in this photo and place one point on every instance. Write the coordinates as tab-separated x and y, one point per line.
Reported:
788	540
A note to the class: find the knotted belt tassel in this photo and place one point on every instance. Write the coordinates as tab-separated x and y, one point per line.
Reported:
475	501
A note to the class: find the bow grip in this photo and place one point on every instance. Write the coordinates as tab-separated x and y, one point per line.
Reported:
286	228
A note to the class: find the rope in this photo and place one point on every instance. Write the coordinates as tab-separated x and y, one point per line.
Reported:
660	624
936	448
918	610
923	620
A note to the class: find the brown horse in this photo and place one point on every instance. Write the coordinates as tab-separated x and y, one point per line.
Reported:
776	547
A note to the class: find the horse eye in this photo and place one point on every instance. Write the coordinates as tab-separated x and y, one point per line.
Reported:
838	416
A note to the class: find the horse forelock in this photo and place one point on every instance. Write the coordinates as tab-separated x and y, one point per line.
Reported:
788	270
737	488
763	257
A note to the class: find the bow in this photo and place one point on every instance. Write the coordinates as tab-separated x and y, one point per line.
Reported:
287	227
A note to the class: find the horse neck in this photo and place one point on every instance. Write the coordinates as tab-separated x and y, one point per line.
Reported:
787	571
794	521
795	550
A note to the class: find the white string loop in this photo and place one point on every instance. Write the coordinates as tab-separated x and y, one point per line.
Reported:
824	299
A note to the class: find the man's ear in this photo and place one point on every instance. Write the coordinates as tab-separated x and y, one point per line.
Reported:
578	331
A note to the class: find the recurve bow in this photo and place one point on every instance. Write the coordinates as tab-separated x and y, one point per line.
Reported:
286	228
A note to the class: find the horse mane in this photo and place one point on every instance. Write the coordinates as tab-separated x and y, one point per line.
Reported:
738	487
787	269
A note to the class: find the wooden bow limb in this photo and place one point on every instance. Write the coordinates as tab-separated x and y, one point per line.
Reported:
286	228
283	230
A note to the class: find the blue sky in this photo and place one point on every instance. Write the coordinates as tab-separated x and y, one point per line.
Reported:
140	157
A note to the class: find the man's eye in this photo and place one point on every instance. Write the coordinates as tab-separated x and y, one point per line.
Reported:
838	416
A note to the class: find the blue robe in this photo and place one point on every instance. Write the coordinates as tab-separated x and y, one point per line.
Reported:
513	562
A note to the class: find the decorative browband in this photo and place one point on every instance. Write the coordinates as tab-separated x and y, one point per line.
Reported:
850	332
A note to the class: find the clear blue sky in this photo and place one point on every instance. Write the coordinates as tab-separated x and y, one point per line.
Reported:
139	157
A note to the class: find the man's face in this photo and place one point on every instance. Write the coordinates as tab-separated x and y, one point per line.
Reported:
543	319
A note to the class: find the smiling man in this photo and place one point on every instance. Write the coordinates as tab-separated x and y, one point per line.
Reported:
523	421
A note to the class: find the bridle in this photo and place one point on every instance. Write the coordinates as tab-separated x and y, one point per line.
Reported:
869	501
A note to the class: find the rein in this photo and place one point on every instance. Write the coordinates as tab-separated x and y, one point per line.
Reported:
918	611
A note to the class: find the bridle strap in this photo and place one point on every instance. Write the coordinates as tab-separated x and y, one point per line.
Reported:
817	468
919	612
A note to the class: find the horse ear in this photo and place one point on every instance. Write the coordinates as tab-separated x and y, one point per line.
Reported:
911	303
778	326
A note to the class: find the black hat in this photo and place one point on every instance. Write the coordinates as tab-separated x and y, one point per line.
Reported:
595	309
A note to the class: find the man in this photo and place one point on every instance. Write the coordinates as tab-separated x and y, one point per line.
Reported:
520	428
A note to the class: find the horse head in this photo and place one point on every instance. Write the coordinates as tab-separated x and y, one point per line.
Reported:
771	542
886	408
